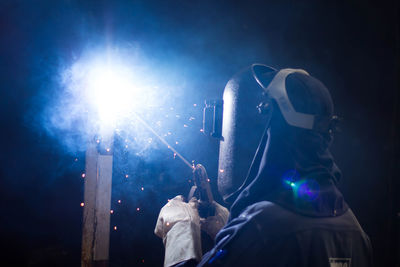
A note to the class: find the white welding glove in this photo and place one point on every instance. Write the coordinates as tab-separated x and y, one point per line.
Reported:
178	225
211	225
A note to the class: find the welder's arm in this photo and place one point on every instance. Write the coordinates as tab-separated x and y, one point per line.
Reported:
178	225
212	224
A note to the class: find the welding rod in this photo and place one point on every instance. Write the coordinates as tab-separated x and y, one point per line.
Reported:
164	141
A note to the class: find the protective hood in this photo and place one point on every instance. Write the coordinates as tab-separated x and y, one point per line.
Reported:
242	129
292	166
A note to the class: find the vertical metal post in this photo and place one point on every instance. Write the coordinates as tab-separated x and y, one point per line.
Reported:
96	212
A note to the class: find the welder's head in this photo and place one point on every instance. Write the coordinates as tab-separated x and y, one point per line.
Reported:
256	98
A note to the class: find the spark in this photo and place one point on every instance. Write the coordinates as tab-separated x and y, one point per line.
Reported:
82	204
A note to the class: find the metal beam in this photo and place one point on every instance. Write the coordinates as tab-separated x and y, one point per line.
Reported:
96	212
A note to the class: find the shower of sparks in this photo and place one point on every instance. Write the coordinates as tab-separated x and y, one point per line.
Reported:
115	96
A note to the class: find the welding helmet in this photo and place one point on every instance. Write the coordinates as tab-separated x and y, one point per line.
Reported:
251	99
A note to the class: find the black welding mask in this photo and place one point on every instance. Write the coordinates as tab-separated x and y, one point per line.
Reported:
249	100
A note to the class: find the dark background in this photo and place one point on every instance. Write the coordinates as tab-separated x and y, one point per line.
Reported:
352	46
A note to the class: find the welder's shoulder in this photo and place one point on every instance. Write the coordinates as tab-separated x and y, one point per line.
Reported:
268	234
266	218
271	218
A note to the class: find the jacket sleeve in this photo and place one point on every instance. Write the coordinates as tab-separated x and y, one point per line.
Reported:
243	242
233	241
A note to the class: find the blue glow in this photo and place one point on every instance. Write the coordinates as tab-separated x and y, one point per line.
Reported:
105	90
220	253
107	86
290	178
306	189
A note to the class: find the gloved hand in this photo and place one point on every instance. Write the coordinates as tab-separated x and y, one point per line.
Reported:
178	224
211	225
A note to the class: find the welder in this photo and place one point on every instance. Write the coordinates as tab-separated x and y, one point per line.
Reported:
280	179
